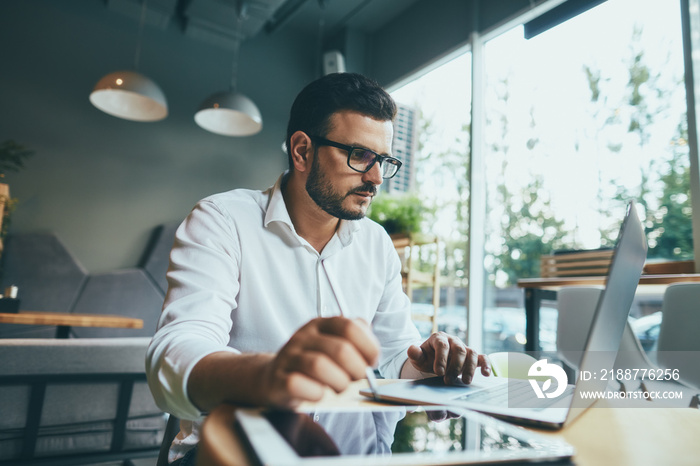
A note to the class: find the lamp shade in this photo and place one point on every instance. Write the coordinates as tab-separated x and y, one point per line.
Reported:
229	114
131	96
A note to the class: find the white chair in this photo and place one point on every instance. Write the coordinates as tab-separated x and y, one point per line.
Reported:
576	307
631	355
678	347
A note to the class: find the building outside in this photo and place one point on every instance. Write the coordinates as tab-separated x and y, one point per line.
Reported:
404	148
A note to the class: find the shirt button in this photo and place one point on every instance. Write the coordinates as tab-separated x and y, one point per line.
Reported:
316	417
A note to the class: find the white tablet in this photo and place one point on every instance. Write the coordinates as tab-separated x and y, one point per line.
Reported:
392	435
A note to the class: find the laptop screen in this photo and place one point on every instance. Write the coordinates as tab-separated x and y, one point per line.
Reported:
613	308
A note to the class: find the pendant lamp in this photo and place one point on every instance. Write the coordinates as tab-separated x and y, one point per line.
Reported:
129	94
230	113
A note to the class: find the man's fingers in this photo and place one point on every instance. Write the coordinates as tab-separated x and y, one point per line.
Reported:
320	368
457	357
439	345
473	361
327	352
346	356
296	387
485	365
447	356
470	364
418	358
288	389
356	331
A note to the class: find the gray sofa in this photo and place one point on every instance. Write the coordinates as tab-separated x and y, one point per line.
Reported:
51	279
76	401
84	399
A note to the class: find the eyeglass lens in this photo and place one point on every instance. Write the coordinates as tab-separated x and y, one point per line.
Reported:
360	159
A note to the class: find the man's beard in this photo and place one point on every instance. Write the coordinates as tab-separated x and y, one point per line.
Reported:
321	191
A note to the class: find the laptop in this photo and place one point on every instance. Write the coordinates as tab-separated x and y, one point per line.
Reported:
547	398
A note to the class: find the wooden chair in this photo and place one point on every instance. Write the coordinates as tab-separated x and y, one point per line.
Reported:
408	246
171	430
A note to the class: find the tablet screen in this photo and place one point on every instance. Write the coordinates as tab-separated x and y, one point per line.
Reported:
396	432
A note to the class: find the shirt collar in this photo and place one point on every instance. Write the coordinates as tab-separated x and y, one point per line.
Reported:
277	212
276	208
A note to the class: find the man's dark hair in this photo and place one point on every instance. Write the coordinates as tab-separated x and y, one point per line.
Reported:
317	102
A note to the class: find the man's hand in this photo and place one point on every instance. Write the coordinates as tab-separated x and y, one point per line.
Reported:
326	352
445	355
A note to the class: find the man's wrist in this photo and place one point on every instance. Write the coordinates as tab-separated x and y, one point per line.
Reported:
226	377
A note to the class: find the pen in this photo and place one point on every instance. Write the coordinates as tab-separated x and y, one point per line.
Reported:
372	381
369	371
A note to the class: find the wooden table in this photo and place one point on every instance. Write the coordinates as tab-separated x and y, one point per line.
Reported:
65	320
606	434
539	289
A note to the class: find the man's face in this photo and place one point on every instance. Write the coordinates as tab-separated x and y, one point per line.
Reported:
332	184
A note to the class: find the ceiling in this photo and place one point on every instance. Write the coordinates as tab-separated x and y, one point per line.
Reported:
215	21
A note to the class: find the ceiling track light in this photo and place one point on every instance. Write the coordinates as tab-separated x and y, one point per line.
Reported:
230	113
128	94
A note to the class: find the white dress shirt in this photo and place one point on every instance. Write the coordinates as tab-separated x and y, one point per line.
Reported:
242	280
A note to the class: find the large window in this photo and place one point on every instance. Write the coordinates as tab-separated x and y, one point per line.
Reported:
441	99
579	119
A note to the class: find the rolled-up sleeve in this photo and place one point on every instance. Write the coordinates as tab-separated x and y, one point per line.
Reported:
203	283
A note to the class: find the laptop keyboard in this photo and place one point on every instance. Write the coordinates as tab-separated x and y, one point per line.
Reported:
516	393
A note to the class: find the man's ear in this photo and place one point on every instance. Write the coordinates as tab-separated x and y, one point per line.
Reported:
301	150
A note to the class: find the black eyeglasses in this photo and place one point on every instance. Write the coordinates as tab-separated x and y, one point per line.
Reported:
362	160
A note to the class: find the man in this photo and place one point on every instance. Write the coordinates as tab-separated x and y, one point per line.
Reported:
274	296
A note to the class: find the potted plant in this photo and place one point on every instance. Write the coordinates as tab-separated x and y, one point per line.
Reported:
401	214
12	157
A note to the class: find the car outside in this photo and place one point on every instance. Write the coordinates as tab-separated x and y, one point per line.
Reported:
647	330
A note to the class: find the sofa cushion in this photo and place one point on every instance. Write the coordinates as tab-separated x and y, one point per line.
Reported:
127	292
48	276
79	410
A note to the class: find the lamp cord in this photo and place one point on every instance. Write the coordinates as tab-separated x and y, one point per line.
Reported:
319	40
142	21
240	11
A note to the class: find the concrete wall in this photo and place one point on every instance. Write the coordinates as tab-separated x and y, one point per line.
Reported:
101	183
429	30
422	34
